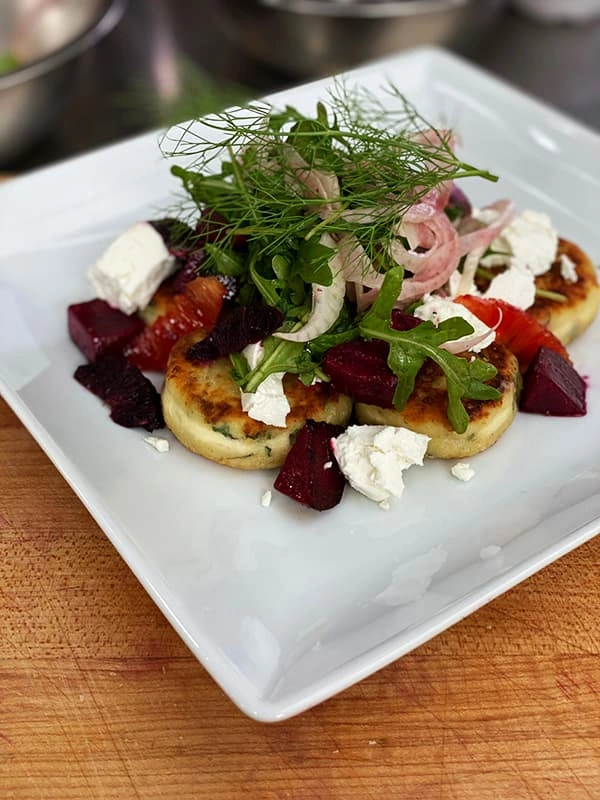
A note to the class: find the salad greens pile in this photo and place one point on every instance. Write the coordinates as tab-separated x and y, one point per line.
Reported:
365	160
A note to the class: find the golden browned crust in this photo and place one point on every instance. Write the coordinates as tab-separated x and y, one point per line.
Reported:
202	407
426	410
570	318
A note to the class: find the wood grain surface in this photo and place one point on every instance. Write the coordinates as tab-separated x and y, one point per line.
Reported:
99	698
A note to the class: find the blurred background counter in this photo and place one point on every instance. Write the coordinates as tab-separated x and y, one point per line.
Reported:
152	64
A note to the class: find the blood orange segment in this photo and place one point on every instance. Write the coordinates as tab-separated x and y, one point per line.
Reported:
197	306
517	329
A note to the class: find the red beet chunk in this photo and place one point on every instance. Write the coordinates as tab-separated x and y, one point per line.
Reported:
191	269
132	398
97	328
552	386
401	321
310	474
360	369
244	325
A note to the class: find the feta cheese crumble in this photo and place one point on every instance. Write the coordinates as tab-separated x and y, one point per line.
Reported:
568	269
132	268
526	248
516	285
373	457
438	309
158	443
268	403
462	471
531	239
266	498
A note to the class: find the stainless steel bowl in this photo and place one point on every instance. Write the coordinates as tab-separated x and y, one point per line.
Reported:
310	38
48	40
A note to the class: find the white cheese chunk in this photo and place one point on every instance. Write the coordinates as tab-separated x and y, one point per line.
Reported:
462	471
268	403
530	239
132	268
265	498
158	443
373	457
568	269
438	309
515	285
495	260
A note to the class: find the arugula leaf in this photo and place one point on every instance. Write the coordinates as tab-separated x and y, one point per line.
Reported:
225	261
313	262
279	356
240	367
409	349
280	266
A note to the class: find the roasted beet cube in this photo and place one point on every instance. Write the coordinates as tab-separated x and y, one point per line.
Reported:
401	321
310	474
97	328
132	398
359	369
192	268
552	386
242	326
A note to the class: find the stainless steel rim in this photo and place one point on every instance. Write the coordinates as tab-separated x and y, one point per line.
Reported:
100	28
373	9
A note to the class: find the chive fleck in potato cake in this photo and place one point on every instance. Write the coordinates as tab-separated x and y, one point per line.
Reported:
425	412
202	407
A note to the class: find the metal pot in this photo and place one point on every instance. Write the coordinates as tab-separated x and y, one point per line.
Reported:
47	40
310	38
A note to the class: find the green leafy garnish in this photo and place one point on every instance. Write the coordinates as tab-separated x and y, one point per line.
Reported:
291	185
373	148
409	349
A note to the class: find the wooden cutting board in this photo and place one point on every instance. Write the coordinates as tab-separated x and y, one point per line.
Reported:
100	699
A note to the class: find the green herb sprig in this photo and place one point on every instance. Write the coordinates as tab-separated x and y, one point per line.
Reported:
375	156
374	146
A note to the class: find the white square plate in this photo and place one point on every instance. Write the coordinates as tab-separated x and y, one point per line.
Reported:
282	605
